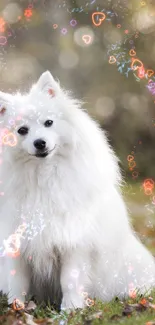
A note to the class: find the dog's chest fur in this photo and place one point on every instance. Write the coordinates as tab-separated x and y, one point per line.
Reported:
52	210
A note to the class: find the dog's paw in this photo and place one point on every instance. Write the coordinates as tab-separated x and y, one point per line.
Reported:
70	302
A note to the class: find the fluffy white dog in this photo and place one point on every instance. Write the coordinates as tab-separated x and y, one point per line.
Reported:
64	228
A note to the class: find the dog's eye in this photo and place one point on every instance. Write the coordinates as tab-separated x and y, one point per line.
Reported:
48	123
23	130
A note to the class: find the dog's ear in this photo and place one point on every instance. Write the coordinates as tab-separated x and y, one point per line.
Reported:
47	84
5	100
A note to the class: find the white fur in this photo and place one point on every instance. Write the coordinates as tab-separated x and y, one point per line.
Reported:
71	199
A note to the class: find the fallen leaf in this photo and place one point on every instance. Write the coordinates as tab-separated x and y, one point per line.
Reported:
29	319
115	317
31	306
96	315
141	308
127	310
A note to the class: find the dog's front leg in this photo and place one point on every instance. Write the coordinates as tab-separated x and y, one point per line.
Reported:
74	279
18	279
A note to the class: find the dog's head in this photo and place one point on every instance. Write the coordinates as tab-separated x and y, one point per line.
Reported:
37	124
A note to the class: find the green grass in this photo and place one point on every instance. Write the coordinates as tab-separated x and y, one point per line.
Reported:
129	312
132	311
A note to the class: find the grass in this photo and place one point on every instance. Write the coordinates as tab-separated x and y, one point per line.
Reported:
134	311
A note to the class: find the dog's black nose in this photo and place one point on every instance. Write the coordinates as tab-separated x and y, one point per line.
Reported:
39	144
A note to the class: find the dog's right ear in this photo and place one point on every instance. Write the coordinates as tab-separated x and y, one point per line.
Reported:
5	100
47	84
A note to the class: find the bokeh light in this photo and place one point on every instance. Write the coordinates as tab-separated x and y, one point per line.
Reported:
11	12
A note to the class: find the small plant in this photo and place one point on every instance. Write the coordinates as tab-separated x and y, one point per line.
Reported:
3	303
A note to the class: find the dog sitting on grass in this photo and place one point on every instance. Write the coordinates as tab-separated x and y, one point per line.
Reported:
64	228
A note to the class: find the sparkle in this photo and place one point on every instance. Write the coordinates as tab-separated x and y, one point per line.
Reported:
64	31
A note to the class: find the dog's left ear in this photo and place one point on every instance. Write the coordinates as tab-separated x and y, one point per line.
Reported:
47	84
5	102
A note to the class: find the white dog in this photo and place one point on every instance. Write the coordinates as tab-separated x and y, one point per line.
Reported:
64	228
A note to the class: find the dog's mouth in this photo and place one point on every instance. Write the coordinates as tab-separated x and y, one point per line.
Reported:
43	154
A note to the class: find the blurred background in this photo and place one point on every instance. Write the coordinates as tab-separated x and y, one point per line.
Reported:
104	51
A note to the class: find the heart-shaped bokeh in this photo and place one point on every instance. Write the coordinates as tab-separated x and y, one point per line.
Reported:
9	139
86	39
98	18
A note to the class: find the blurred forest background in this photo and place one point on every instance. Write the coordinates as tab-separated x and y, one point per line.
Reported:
104	51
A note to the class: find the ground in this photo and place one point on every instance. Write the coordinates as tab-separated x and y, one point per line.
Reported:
134	311
138	310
